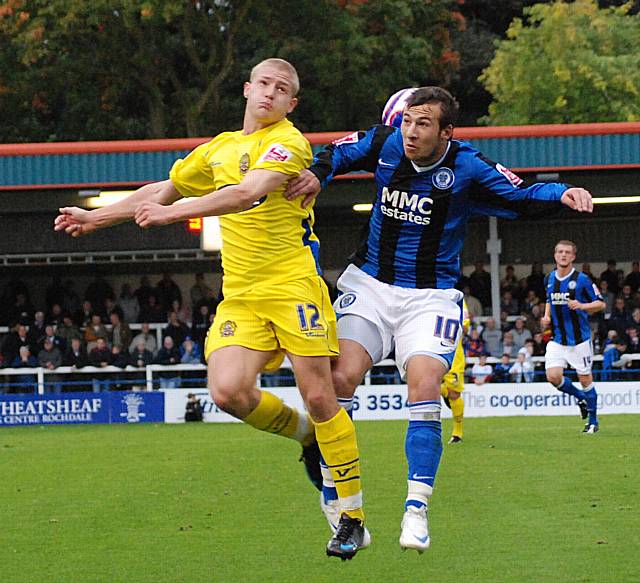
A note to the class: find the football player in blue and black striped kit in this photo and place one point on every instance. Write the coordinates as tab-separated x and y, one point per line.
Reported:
571	298
398	292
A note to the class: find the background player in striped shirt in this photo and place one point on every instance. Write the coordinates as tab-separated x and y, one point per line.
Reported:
571	298
399	292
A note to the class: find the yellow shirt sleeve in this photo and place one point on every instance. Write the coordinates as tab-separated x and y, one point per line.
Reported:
287	152
192	176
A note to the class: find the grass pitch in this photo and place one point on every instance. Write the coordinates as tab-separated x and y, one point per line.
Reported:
522	500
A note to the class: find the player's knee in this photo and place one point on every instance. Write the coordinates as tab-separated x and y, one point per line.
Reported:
345	382
554	378
224	397
425	388
321	404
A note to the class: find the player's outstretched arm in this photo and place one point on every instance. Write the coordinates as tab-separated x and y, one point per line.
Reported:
232	199
76	221
578	199
307	185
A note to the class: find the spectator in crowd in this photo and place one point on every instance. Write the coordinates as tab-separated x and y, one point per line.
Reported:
474	345
94	331
611	276
521	370
474	307
508	347
140	355
480	284
119	359
167	355
168	290
97	292
633	277
17	337
38	325
175	328
539	345
199	290
492	338
501	371
627	295
530	301
633	340
76	354
147	337
210	300
76	357
82	317
532	322
128	304
520	334
20	310
586	269
120	333
144	291
509	304
505	325
200	324
190	352
183	311
50	334
510	281
72	301
481	371
111	305
620	317
100	357
54	316
535	280
68	330
152	311
607	296
25	382
50	358
635	319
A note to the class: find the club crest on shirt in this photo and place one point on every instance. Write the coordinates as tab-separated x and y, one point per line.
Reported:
347	299
571	285
228	328
443	178
244	163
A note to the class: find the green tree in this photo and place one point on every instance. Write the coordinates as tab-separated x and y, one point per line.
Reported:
110	69
567	63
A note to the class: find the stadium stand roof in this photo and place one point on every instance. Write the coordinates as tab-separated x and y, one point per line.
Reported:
533	148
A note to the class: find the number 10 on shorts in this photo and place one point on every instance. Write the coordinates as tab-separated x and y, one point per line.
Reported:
446	329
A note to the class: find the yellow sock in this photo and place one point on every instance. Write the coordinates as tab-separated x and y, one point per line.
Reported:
273	416
457	408
339	448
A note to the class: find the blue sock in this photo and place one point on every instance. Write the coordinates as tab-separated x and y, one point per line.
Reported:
423	448
568	387
591	397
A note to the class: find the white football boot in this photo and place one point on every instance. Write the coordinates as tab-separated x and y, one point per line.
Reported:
415	533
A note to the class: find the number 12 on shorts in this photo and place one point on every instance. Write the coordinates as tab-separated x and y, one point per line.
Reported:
308	316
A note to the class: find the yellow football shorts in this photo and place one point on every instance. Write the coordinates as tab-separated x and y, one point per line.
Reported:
454	379
295	317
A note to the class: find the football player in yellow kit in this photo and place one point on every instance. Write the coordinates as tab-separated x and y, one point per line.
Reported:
453	382
275	301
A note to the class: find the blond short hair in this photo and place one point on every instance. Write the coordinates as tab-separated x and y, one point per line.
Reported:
569	243
283	66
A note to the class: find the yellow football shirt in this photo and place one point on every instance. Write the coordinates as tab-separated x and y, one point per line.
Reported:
273	242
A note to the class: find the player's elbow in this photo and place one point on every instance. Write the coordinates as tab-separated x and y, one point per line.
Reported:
246	198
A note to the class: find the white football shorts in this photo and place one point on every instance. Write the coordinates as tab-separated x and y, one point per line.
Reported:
414	321
580	357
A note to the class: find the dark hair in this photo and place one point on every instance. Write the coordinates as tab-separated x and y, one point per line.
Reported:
448	105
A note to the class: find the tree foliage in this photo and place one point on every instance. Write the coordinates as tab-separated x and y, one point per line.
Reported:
117	69
567	63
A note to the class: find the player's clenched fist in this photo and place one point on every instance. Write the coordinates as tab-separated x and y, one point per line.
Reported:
150	214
